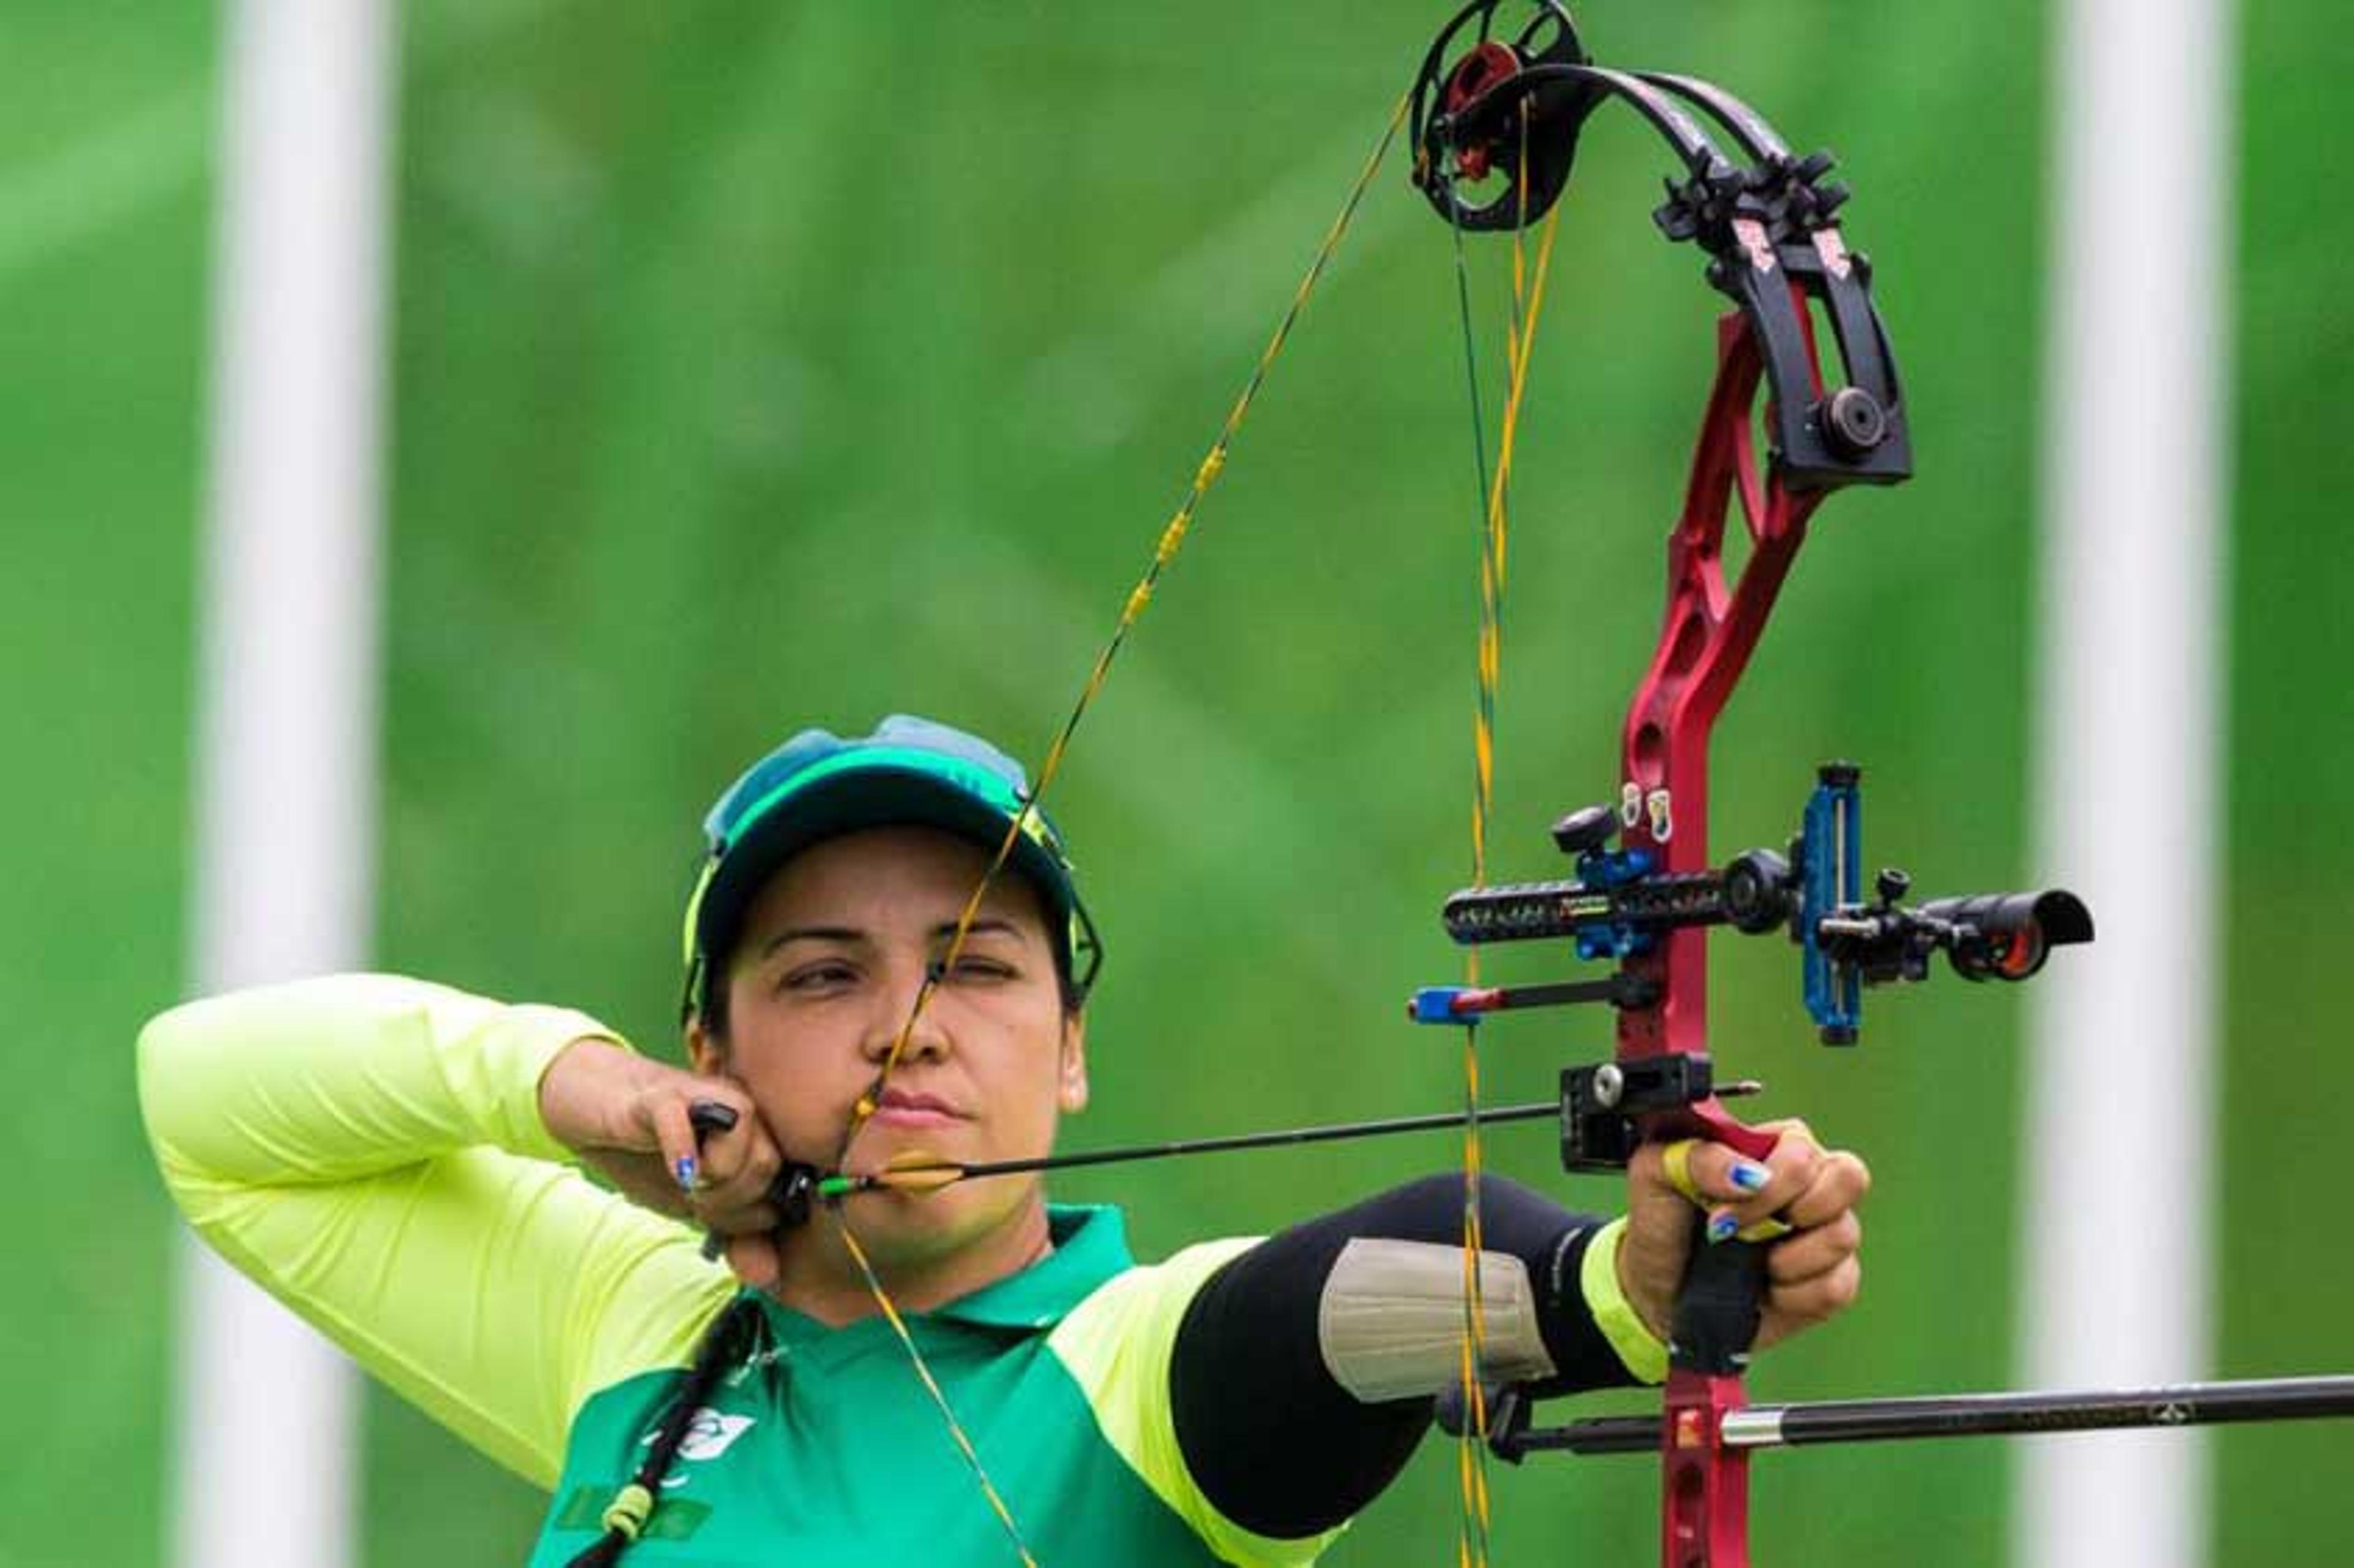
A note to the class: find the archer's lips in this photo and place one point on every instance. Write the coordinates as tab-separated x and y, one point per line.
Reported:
908	1109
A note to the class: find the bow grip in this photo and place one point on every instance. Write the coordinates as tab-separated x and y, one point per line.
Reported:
1723	1296
1719	1306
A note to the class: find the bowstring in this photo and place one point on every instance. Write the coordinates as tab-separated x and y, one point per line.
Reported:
1527	305
997	1504
1470	1444
1172	539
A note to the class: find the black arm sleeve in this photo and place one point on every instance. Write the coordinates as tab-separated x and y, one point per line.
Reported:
1275	1443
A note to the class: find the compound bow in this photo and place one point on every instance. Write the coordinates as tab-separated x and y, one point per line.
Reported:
1501	114
1505	112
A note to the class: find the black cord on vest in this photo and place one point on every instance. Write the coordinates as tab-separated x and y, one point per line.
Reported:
722	1346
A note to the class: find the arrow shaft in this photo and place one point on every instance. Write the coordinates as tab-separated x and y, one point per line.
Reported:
1332	1132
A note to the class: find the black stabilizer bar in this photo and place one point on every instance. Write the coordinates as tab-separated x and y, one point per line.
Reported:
1951	1416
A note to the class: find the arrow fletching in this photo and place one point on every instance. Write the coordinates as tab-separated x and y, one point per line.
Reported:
914	1171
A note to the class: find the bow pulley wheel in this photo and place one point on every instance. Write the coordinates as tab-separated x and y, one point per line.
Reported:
1482	120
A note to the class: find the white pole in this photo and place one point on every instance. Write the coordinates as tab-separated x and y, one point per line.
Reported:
2121	1061
266	1442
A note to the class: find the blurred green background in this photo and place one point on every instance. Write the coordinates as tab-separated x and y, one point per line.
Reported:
760	364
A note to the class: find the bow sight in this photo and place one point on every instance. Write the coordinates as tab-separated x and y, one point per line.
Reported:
1620	903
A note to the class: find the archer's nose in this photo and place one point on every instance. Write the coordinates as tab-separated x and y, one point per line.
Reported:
912	1014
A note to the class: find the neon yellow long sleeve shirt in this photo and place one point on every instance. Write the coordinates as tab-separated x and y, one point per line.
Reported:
370	1151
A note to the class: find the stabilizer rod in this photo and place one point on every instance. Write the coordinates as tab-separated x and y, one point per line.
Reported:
1958	1415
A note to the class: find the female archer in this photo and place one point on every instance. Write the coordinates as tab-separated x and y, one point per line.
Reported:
962	1375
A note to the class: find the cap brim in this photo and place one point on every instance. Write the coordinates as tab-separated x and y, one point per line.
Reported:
849	803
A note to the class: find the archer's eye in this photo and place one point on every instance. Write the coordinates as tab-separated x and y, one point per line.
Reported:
818	978
975	968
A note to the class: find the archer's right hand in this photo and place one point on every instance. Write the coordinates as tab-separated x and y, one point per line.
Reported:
627	1118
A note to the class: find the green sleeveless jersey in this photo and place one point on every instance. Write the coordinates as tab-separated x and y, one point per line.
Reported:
823	1446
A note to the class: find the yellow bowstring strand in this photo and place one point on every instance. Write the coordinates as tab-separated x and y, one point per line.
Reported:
1528	303
1172	539
931	1386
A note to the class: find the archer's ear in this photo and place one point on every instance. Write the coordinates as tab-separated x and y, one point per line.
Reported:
1071	1091
704	1053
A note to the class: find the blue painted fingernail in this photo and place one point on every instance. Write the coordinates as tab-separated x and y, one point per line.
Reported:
684	1171
1721	1225
1750	1176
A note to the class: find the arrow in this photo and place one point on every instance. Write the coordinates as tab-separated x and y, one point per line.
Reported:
924	1174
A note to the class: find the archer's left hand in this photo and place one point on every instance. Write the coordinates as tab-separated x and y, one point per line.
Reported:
1814	1270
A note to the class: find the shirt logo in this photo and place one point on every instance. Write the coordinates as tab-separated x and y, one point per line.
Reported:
709	1433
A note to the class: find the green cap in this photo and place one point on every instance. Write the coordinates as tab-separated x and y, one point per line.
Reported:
910	772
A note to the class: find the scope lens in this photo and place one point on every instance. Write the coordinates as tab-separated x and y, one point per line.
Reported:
2010	933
